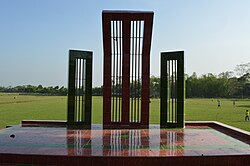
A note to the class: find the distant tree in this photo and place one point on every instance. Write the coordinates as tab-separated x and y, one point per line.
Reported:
97	91
135	88
56	87
243	70
210	85
2	88
155	86
193	86
63	91
30	89
39	89
227	74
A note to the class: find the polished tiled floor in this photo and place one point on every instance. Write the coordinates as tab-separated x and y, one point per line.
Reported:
97	142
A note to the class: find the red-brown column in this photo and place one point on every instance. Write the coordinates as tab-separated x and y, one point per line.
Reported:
107	70
146	69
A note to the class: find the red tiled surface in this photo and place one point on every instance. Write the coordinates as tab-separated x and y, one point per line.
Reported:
192	143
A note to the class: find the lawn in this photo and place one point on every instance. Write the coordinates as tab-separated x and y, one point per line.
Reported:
15	107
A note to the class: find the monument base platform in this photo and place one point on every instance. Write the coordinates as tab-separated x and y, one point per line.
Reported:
200	143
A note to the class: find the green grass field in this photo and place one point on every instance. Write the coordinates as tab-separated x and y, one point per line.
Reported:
14	108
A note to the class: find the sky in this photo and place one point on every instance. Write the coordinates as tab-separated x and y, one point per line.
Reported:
36	35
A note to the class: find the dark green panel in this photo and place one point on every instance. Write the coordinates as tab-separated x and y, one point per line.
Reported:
172	95
163	93
79	89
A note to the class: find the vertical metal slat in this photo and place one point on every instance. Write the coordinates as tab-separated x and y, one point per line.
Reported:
83	90
132	72
172	91
116	73
176	91
113	71
76	86
135	76
120	48
139	86
79	90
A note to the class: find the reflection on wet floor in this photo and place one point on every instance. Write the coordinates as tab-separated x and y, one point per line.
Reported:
121	142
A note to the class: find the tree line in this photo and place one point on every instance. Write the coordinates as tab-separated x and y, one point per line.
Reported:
212	86
38	90
231	84
225	85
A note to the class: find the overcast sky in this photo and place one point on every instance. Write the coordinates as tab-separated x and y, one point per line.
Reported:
35	36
